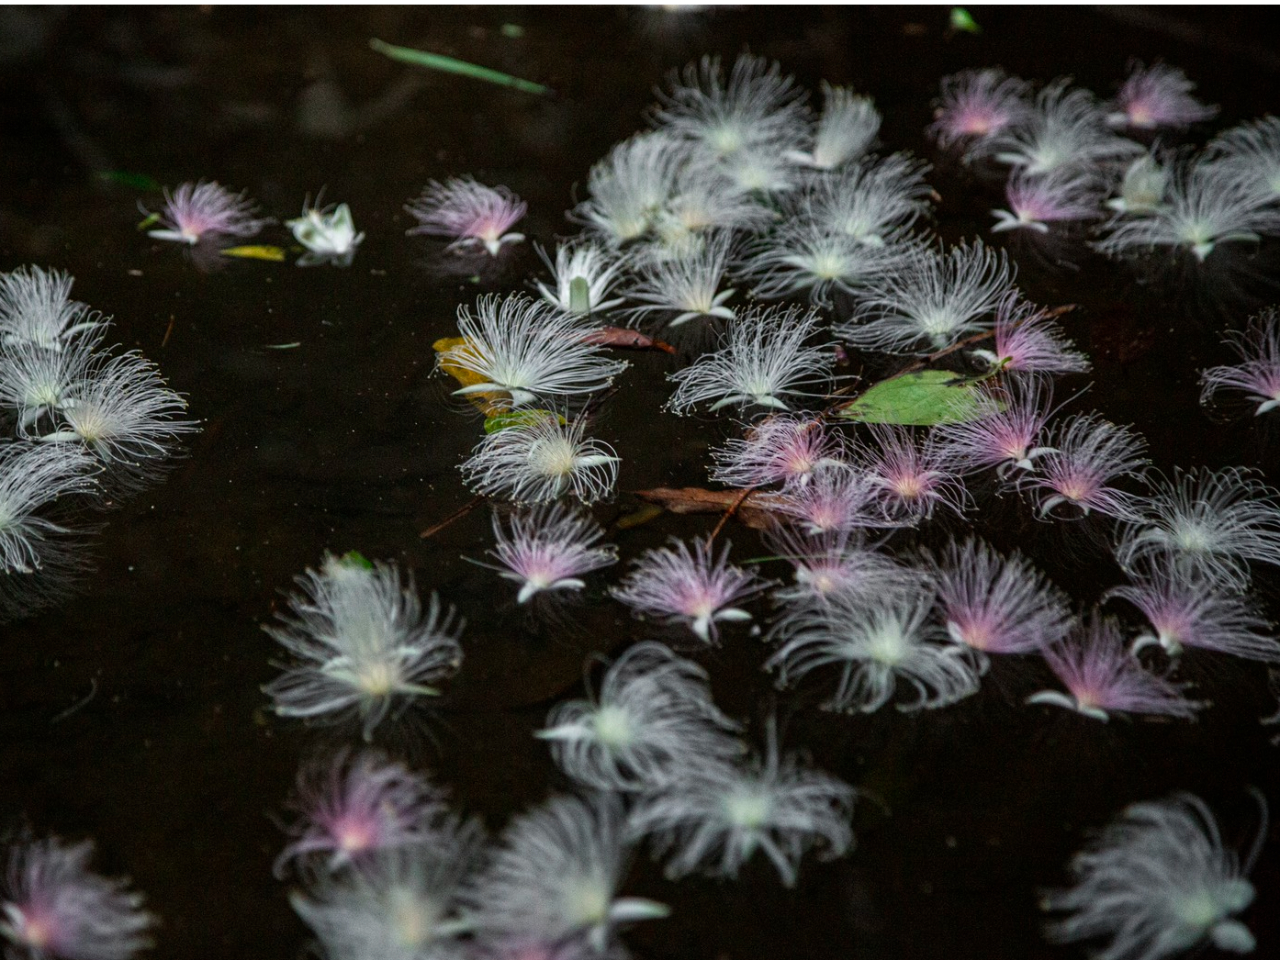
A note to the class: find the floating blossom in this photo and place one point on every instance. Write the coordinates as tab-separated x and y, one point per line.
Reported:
704	198
1142	188
762	358
695	588
1037	202
629	186
328	233
1208	523
529	350
1192	612
36	382
1029	341
1002	438
53	906
555	876
846	130
835	562
911	477
652	721
996	605
122	411
716	816
1156	882
836	499
1258	373
550	548
874	202
1158	96
762	171
1088	454
756	107
931	301
1102	677
360	640
1250	154
542	459
976	105
1203	207
802	255
585	262
31	478
355	807
400	904
784	449
1064	129
880	645
36	310
196	211
469	212
687	288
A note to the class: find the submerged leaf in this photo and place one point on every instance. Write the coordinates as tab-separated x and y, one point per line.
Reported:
923	398
271	254
490	403
519	418
436	61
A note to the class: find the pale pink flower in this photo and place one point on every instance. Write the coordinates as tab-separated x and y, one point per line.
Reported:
1158	96
206	209
469	212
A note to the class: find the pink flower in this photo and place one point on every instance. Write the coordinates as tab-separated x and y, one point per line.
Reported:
1103	677
53	906
1005	438
1028	341
358	806
840	499
1158	96
550	548
197	210
782	449
911	477
1036	201
694	587
469	212
1088	454
977	104
1258	373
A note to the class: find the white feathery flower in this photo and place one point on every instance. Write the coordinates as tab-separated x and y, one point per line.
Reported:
652	721
875	201
529	350
763	357
1203	207
36	381
31	477
804	255
1155	882
704	197
122	411
555	876
359	640
879	646
1142	187
1208	523
399	905
846	131
1065	128
761	170
540	460
549	548
36	309
688	287
628	187
1249	153
587	262
756	106
931	301
717	815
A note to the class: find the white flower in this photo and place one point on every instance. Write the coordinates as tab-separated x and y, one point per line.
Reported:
652	719
555	876
36	382
763	357
874	201
1065	128
31	478
716	815
688	287
36	309
328	233
585	262
360	639
1249	153
540	460
529	350
847	129
803	254
1157	881
628	187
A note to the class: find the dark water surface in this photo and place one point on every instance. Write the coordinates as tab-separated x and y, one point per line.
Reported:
348	442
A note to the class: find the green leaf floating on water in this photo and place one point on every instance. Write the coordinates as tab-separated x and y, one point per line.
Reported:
519	418
437	61
922	398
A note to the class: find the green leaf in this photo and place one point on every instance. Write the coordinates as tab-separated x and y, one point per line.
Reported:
519	418
922	398
354	558
256	252
962	21
137	181
149	220
436	61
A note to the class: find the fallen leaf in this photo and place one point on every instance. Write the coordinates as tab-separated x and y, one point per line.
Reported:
921	398
491	404
626	339
271	254
753	509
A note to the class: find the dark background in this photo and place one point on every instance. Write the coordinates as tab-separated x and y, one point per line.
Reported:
176	767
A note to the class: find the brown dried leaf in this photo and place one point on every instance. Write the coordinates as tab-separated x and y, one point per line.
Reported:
626	339
752	509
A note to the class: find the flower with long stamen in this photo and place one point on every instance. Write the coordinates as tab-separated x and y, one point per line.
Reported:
541	459
36	310
1028	341
471	213
1087	454
846	130
206	209
549	548
31	478
1158	96
1005	437
977	105
784	448
1037	202
1258	373
581	262
687	288
1064	128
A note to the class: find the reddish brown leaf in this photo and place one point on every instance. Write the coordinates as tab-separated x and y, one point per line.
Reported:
752	509
626	339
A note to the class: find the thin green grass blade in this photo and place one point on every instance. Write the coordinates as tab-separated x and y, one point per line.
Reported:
437	61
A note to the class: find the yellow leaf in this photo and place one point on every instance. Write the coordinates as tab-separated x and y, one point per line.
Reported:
490	403
273	254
